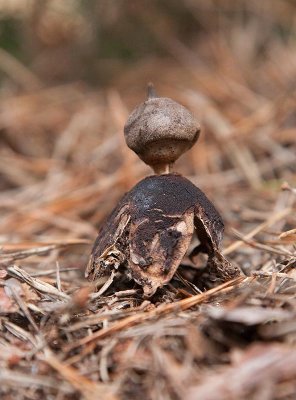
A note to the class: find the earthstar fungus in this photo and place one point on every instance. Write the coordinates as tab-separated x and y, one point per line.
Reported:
151	228
160	130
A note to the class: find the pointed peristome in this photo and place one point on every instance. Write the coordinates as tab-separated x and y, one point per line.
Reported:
151	92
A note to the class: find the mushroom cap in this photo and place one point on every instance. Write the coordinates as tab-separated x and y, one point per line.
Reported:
160	130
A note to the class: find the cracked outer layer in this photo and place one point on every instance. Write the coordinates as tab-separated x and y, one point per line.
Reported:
151	228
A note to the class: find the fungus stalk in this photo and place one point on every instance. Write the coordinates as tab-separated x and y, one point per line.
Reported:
164	168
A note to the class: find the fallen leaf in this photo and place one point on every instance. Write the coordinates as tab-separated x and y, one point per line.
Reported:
289	236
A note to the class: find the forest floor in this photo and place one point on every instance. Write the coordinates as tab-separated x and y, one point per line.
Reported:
63	167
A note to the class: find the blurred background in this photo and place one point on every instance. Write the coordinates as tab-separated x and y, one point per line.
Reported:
71	71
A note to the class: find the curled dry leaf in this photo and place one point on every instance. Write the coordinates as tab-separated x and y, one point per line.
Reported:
289	236
150	231
248	315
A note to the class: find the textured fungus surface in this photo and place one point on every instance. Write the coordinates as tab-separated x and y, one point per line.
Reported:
151	229
160	130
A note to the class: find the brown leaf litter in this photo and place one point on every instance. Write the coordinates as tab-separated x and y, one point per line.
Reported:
63	168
